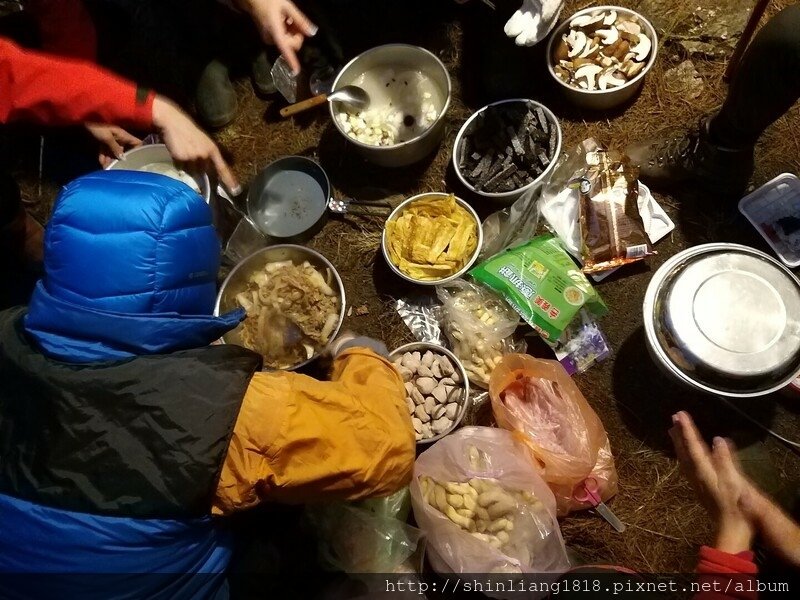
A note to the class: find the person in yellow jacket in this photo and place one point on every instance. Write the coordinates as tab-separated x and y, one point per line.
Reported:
126	435
298	439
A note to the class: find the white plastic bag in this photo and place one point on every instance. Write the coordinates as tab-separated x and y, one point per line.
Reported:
504	461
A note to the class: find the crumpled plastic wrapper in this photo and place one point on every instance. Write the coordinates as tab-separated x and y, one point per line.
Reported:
612	230
420	315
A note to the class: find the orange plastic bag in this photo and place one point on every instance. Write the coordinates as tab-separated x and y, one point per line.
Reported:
538	401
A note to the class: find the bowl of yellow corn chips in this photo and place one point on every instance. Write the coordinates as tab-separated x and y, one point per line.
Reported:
432	238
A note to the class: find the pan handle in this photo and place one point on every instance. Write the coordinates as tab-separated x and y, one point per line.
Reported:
232	201
292	109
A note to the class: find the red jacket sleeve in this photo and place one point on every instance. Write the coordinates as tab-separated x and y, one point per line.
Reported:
65	28
44	89
723	576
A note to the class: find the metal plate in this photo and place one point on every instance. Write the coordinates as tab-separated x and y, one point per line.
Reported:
736	314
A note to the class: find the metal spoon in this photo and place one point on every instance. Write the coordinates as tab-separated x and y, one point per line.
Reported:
352	95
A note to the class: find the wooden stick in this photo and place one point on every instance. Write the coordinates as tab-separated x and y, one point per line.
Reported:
747	35
293	109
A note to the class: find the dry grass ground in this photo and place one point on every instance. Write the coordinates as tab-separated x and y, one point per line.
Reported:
665	523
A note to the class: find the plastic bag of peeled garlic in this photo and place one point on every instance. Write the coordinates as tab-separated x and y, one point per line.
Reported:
480	326
483	508
612	231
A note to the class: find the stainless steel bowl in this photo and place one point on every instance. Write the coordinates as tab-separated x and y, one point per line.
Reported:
399	210
725	319
236	282
136	159
397	56
424	347
602	99
507	197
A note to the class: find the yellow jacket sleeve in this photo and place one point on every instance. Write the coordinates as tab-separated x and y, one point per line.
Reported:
300	440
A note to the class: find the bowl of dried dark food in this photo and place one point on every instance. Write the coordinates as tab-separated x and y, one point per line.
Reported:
507	148
295	304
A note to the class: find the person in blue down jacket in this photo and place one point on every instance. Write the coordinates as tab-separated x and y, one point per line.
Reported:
126	438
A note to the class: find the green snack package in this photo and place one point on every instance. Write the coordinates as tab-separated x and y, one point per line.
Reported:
540	281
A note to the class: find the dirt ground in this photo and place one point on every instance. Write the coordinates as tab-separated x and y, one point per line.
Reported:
665	524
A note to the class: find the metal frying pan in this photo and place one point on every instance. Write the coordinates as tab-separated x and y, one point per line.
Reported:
288	199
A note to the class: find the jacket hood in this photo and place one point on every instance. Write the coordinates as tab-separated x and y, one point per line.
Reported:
131	261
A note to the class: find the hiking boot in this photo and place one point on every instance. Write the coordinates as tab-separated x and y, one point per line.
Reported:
261	70
692	157
215	98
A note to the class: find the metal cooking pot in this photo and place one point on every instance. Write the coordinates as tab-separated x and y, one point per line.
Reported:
136	159
237	279
396	56
725	319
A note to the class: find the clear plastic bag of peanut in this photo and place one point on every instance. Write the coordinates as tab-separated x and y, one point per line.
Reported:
483	508
480	326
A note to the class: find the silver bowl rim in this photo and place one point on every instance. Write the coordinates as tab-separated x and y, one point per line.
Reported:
648	314
524	188
561	27
428	131
400	208
203	177
413	346
336	276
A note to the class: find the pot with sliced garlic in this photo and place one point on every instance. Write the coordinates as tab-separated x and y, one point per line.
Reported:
600	55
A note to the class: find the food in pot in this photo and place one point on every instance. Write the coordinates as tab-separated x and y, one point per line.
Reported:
291	312
434	391
433	238
507	146
403	105
173	172
602	50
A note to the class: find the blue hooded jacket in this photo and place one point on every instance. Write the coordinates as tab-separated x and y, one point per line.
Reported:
131	261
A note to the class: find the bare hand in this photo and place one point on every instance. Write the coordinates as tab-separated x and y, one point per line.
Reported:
189	145
779	533
113	141
718	481
281	23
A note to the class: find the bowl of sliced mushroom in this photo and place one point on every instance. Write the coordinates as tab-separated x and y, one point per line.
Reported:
600	55
437	388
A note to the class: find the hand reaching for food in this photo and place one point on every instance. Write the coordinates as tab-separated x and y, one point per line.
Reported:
533	21
113	140
189	145
281	23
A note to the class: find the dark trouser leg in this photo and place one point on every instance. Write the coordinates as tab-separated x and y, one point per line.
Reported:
17	277
766	84
10	202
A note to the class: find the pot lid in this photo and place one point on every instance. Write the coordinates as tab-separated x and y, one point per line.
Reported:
735	314
727	318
